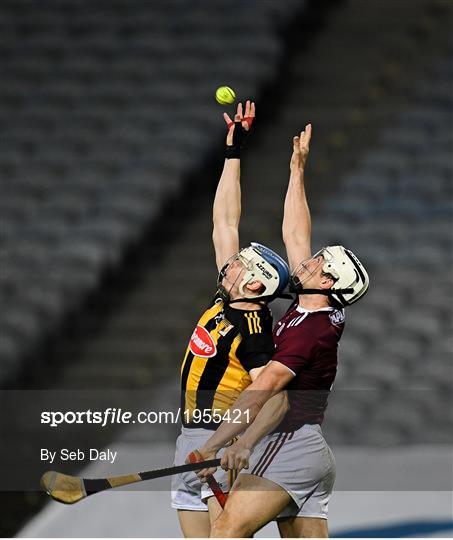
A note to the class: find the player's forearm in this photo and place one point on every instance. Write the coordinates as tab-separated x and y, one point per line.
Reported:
296	226
244	411
268	418
227	201
296	216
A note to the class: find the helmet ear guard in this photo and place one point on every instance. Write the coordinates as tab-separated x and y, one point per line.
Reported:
349	272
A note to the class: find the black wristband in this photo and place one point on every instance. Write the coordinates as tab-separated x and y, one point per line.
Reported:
232	152
240	136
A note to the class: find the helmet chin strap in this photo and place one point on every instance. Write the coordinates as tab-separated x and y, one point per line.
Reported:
223	293
226	294
295	286
263	299
226	297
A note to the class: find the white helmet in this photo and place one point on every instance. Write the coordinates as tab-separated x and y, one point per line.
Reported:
351	278
263	264
348	272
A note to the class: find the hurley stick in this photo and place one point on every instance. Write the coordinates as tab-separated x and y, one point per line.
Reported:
71	489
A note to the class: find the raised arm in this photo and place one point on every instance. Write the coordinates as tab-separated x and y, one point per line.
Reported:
296	219
227	202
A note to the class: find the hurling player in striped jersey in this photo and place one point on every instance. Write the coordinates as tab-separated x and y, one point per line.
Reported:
291	472
232	341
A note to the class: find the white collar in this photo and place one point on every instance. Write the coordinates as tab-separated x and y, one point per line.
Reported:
300	309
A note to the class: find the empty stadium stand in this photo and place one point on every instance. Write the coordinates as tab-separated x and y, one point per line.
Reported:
106	107
396	209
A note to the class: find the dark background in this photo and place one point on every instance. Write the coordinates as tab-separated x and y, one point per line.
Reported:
110	152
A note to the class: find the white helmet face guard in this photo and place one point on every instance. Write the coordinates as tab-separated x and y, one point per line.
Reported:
350	277
223	273
304	265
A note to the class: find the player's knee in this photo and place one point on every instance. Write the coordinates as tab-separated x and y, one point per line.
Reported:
228	525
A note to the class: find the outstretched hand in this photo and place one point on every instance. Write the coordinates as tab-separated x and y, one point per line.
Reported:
245	120
301	148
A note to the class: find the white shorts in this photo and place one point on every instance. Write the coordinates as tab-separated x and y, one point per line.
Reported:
187	492
302	464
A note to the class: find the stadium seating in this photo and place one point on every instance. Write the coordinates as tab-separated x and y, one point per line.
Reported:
395	210
104	111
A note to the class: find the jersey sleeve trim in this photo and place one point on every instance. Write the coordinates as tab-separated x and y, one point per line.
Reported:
256	361
288	368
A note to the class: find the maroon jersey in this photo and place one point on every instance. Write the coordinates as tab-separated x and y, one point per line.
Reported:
306	342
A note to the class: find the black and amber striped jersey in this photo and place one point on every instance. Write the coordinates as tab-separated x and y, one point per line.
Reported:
225	345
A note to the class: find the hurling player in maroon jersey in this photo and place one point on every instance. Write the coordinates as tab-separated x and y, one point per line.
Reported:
291	471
